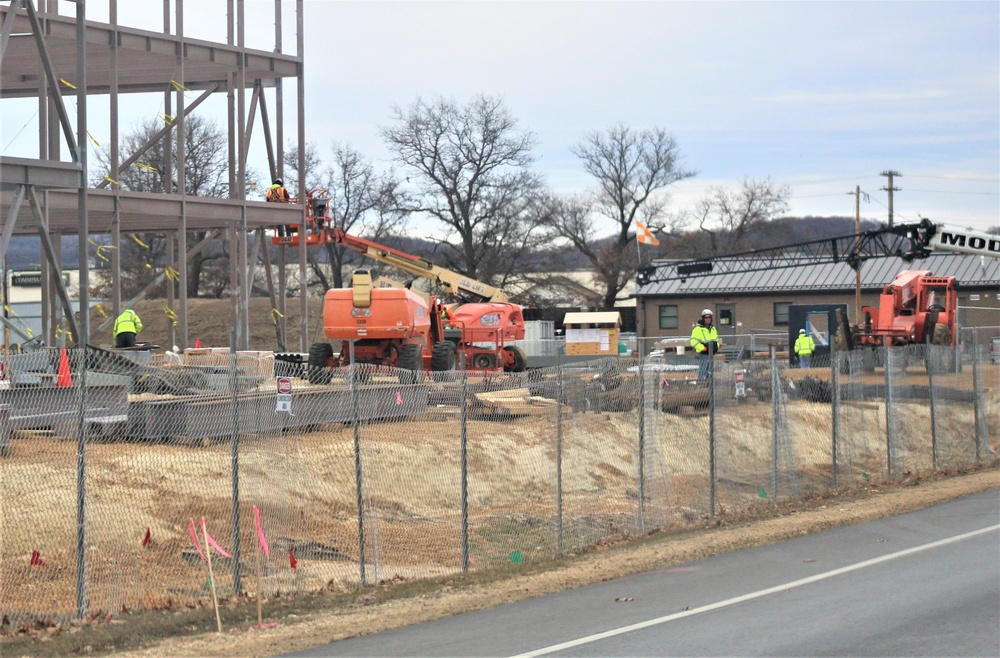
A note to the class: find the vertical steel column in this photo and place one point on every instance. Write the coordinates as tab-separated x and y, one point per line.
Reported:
301	109
84	325
182	175
241	232
234	307
171	287
279	118
116	229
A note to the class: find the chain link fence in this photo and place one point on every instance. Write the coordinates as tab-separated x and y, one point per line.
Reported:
110	461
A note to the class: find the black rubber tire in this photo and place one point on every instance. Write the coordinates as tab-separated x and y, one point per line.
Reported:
484	361
520	358
444	358
941	355
410	364
319	359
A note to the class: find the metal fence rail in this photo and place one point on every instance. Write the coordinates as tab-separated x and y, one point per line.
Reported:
374	476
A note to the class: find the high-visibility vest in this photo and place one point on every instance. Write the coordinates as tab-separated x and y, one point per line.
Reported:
701	336
804	345
276	193
128	322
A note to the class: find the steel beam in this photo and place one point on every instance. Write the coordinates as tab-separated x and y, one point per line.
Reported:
8	27
181	112
53	79
11	221
42	174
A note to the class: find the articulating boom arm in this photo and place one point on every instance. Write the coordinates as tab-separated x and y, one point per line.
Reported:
454	283
906	241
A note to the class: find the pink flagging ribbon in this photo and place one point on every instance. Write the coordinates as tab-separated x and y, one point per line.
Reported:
212	542
260	533
194	538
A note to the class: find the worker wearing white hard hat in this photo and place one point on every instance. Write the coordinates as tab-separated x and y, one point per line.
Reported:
804	348
705	340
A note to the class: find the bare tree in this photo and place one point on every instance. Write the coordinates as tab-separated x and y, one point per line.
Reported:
631	167
361	202
471	164
727	217
314	168
206	174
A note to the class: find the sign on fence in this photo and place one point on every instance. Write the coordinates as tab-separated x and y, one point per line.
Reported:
284	395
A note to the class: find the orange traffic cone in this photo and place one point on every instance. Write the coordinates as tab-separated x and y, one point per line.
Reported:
197	343
64	378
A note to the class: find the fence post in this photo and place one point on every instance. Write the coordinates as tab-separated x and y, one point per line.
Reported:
642	443
235	449
931	360
463	411
559	453
81	493
888	412
977	402
356	420
775	420
835	356
711	436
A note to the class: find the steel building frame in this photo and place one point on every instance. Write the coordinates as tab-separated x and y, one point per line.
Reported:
46	55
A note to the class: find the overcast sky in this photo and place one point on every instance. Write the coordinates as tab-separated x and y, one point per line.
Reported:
818	96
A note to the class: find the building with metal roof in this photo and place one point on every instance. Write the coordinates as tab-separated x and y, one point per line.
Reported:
758	301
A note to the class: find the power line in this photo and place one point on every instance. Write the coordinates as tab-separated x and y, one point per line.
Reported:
952	192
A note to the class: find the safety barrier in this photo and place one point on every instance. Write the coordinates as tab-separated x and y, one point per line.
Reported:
110	464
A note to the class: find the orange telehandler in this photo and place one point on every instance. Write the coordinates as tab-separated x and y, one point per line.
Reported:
397	327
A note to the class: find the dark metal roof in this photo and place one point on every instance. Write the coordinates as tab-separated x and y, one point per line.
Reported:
970	272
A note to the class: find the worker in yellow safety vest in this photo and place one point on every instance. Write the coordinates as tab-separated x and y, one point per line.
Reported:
804	348
706	343
127	325
278	194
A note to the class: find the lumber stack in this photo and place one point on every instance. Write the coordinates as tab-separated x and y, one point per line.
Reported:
514	402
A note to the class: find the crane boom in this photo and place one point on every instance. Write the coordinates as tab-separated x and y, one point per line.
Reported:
454	283
906	241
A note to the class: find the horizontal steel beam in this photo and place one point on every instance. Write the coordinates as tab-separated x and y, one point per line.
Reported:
147	212
47	174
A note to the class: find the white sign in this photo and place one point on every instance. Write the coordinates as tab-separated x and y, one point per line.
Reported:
284	395
741	386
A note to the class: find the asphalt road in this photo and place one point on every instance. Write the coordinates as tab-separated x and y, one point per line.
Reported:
925	583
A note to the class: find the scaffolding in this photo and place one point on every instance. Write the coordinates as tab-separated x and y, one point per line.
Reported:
49	56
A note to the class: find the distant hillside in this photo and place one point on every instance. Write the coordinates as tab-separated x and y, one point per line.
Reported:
25	253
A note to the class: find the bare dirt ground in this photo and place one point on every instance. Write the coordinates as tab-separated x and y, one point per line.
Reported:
301	622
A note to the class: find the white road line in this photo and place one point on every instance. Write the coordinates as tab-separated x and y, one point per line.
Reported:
751	596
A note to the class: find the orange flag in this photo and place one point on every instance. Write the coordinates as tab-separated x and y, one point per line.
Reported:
644	235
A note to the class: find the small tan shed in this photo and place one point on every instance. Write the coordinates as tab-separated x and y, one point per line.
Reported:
592	333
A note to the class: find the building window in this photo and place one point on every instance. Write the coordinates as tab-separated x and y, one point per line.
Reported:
668	316
781	314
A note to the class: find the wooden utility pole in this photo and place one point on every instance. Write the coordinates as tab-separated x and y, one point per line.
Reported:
857	269
889	173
